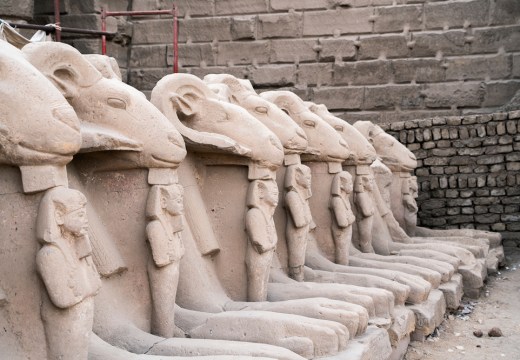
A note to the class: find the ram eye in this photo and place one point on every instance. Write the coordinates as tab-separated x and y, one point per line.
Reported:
309	123
116	103
339	128
261	109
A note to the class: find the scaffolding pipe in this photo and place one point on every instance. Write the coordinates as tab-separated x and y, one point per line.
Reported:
173	12
52	28
57	20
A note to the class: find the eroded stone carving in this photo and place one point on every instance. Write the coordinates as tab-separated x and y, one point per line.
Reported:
365	219
164	210
342	215
42	149
65	265
261	202
299	218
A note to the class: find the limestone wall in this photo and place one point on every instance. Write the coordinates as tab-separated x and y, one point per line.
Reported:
468	170
378	60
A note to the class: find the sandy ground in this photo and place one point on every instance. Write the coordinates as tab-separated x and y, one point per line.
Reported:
499	306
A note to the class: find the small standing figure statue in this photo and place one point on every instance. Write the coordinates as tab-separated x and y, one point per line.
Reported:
299	217
164	210
410	192
342	215
65	265
364	203
262	199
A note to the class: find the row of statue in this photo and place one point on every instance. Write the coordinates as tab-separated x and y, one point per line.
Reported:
209	222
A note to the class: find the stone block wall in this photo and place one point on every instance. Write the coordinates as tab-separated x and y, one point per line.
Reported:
378	60
468	170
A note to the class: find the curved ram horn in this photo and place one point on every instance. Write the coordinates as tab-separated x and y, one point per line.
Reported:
63	65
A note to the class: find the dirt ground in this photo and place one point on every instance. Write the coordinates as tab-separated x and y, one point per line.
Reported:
499	306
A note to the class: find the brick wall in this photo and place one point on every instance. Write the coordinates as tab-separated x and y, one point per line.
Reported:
468	170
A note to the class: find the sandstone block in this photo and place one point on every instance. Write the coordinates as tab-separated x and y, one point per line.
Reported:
293	51
387	46
362	73
384	97
343	21
185	7
418	70
243	27
398	18
204	29
149	32
145	79
240	53
315	74
339	97
337	48
489	40
17	8
499	93
279	25
515	72
240	6
456	14
148	56
448	94
192	55
274	75
471	68
505	12
281	5
449	43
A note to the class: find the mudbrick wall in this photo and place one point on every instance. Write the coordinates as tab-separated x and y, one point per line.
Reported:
378	60
468	170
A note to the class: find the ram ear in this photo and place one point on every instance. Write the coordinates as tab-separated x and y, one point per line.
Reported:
63	65
184	104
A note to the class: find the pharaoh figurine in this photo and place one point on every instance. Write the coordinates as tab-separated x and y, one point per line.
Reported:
363	199
410	193
262	199
65	265
299	222
164	210
342	215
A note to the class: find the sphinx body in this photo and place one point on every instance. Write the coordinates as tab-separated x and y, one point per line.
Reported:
124	137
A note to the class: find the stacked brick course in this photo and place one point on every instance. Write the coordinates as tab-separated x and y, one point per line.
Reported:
378	60
468	170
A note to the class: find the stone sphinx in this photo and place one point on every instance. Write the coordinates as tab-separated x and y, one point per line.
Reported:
241	92
41	158
250	168
123	131
39	137
400	158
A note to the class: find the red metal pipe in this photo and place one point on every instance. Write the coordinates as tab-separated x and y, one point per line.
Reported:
173	11
137	13
175	40
57	10
103	28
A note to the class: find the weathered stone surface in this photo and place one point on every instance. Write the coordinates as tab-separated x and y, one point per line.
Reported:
293	51
362	73
240	53
398	18
455	15
273	75
240	6
337	48
344	21
389	46
279	25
